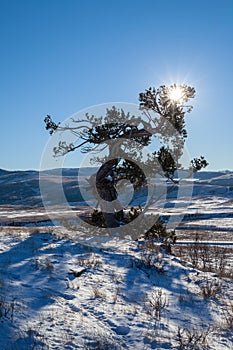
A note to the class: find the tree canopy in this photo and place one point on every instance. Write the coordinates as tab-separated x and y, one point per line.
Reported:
124	137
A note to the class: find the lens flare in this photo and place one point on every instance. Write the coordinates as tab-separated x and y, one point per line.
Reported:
176	94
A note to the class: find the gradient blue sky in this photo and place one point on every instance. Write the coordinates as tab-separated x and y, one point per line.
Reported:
61	56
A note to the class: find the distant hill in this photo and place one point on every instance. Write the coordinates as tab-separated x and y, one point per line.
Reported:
22	187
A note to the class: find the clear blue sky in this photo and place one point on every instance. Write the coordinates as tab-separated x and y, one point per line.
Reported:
60	56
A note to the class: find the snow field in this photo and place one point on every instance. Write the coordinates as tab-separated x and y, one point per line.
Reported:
57	293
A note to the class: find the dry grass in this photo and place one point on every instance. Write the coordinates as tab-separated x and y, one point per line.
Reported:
208	258
89	261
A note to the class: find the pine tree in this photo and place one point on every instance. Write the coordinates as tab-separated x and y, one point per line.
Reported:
124	136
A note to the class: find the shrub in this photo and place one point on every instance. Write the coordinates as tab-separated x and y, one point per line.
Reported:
192	339
156	304
210	288
228	313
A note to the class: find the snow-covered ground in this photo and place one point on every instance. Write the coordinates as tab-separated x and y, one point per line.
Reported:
57	293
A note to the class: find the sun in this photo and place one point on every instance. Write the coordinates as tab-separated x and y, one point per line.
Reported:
176	93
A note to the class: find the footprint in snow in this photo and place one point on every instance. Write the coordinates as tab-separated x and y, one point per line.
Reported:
122	330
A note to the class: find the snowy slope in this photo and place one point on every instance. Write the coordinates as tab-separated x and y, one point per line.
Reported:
59	294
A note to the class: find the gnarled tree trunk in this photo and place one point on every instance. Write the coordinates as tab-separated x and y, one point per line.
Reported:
110	206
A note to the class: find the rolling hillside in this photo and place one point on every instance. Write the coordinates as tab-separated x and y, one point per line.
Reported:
22	187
